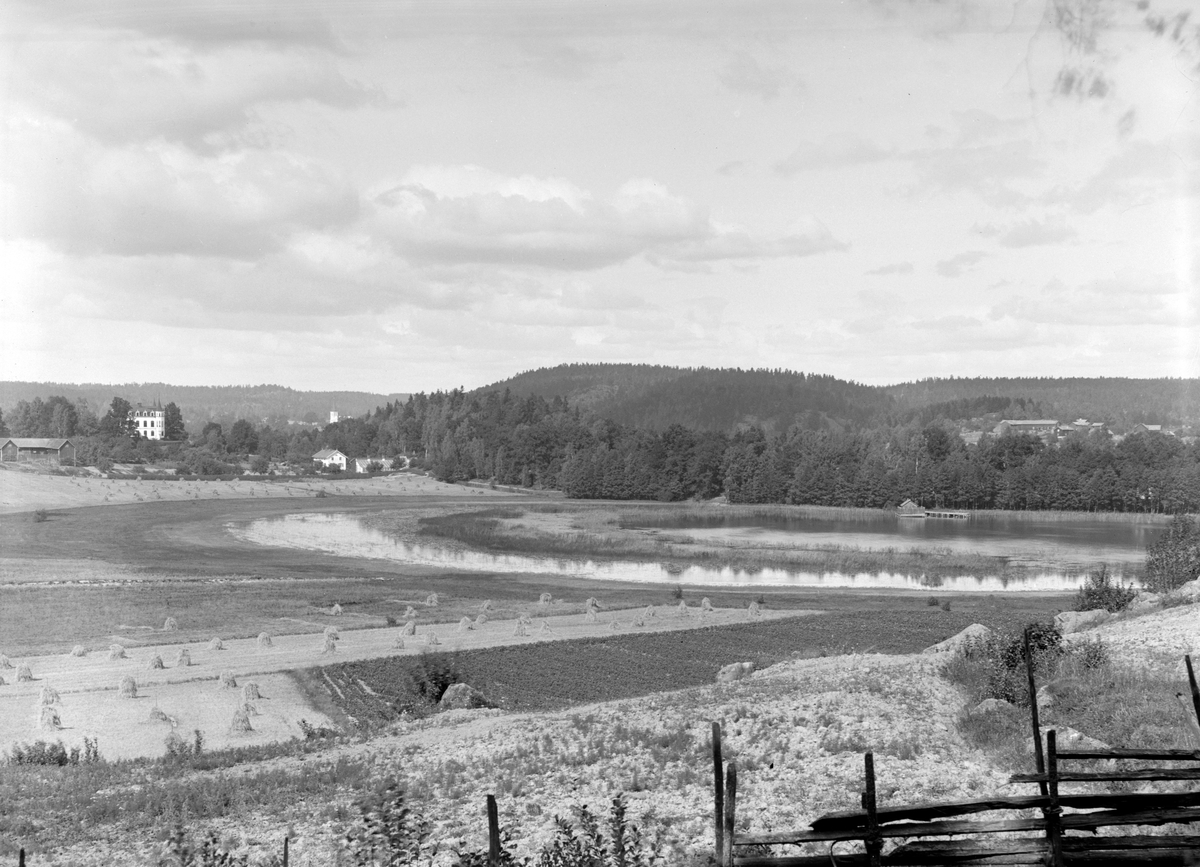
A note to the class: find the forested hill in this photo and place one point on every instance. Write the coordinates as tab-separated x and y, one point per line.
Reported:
1117	401
204	403
704	399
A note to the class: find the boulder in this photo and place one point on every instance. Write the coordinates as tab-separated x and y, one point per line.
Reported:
1077	621
733	672
1189	591
1069	739
992	705
957	643
462	696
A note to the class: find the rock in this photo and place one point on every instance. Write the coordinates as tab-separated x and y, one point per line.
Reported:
462	696
733	672
957	643
1077	621
992	705
1045	698
1069	739
1189	591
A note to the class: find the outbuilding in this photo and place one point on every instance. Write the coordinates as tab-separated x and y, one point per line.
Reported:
43	449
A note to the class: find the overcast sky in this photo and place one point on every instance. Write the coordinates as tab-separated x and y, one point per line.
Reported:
393	197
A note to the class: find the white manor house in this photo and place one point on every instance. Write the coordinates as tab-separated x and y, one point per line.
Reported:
149	421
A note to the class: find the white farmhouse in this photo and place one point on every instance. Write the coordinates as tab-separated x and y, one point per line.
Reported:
330	458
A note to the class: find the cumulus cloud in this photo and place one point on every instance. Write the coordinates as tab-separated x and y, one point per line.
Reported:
138	90
956	265
163	198
461	214
837	151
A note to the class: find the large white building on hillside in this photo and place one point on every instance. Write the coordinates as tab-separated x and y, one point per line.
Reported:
149	422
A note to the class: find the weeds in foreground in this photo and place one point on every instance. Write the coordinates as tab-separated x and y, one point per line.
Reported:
55	754
994	666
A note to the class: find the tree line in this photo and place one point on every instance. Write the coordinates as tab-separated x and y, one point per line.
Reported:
535	442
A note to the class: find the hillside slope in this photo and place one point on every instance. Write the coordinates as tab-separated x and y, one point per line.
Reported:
201	403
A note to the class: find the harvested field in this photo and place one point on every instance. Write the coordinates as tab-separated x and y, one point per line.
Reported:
88	685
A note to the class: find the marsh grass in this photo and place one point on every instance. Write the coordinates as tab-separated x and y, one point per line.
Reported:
609	535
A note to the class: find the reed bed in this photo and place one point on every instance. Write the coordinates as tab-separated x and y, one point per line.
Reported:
1039	515
493	530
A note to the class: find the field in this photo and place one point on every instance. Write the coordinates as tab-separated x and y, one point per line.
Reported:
552	676
584	709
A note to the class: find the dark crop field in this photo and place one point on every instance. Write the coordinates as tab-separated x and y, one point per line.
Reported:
554	675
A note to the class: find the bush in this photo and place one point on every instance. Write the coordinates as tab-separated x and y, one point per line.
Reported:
1100	591
994	667
386	831
40	515
1174	559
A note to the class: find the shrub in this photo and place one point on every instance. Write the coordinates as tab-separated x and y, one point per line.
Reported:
994	667
1100	591
932	602
385	831
946	605
55	754
40	515
677	592
1174	559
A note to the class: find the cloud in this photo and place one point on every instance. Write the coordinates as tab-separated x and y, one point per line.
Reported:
744	74
165	199
731	168
836	151
138	91
956	265
1032	233
894	268
564	61
467	214
1121	301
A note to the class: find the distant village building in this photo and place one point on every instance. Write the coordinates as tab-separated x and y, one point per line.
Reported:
361	464
330	458
149	422
1148	428
1035	426
50	451
333	416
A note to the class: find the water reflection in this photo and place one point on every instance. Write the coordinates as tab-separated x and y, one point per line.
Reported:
344	535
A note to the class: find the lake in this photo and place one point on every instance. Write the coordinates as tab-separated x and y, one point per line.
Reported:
1079	545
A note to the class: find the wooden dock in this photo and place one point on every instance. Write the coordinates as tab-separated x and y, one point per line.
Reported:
956	514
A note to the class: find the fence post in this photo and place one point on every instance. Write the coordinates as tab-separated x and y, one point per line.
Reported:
493	817
285	852
1038	757
1053	812
718	794
730	813
21	858
873	840
1191	673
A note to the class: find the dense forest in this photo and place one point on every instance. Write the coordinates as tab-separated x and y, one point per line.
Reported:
752	436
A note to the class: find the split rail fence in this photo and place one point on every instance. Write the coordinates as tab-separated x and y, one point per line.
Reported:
1055	845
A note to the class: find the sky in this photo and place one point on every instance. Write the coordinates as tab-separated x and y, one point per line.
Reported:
409	196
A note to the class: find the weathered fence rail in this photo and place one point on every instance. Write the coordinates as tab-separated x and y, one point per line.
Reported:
917	823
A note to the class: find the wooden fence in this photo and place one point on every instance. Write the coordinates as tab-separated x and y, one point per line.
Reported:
1055	846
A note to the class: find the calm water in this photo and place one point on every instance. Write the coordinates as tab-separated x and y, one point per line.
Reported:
1076	545
346	535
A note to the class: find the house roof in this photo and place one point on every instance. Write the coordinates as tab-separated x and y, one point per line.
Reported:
326	454
1030	421
37	442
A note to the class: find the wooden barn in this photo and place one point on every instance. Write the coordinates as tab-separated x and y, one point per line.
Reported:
46	450
909	509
